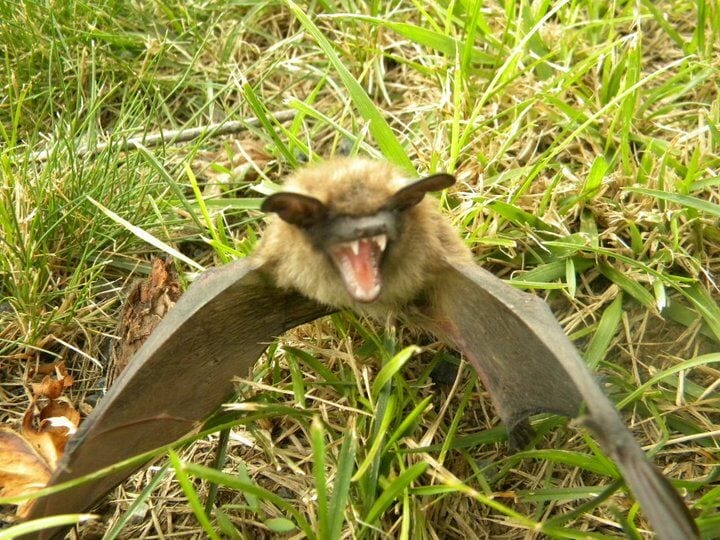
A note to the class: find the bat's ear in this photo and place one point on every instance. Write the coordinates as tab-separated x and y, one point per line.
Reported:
295	208
411	195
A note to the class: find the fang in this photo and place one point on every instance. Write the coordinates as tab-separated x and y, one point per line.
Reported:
381	241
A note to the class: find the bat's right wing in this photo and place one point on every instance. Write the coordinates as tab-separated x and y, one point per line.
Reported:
529	366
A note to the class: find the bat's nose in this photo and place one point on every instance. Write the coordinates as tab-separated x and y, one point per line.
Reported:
349	228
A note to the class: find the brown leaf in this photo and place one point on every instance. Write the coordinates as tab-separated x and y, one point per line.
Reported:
27	459
60	408
52	387
44	369
41	440
49	387
22	469
59	420
62	374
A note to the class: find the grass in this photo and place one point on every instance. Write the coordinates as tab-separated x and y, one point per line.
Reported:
586	140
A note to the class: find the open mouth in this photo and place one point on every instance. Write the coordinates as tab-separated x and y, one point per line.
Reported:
359	264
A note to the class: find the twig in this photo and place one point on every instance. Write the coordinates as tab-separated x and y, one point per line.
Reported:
172	136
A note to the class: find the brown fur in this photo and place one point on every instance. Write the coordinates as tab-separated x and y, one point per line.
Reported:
358	186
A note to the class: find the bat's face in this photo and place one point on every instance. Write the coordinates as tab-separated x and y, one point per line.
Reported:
359	242
356	246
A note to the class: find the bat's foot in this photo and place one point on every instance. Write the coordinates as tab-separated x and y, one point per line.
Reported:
520	435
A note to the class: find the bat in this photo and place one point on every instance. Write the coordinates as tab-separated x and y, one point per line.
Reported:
351	233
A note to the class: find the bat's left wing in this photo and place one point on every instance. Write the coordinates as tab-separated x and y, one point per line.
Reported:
178	378
529	366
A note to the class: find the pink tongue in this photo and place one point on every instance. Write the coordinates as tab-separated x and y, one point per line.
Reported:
360	271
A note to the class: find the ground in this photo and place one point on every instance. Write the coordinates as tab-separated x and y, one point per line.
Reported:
585	137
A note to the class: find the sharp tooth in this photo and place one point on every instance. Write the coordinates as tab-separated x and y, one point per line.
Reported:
355	246
381	241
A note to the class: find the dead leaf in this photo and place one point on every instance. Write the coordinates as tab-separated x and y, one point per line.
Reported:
28	459
60	408
52	387
59	420
45	369
49	387
22	469
41	440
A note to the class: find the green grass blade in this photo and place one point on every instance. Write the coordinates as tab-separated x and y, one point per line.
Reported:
392	367
37	525
606	330
567	457
226	525
317	441
627	284
315	364
393	490
706	359
233	482
147	237
262	115
128	515
706	305
686	201
192	495
343	479
431	39
370	463
408	422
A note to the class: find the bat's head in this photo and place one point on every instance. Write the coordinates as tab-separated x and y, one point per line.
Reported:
357	233
357	222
